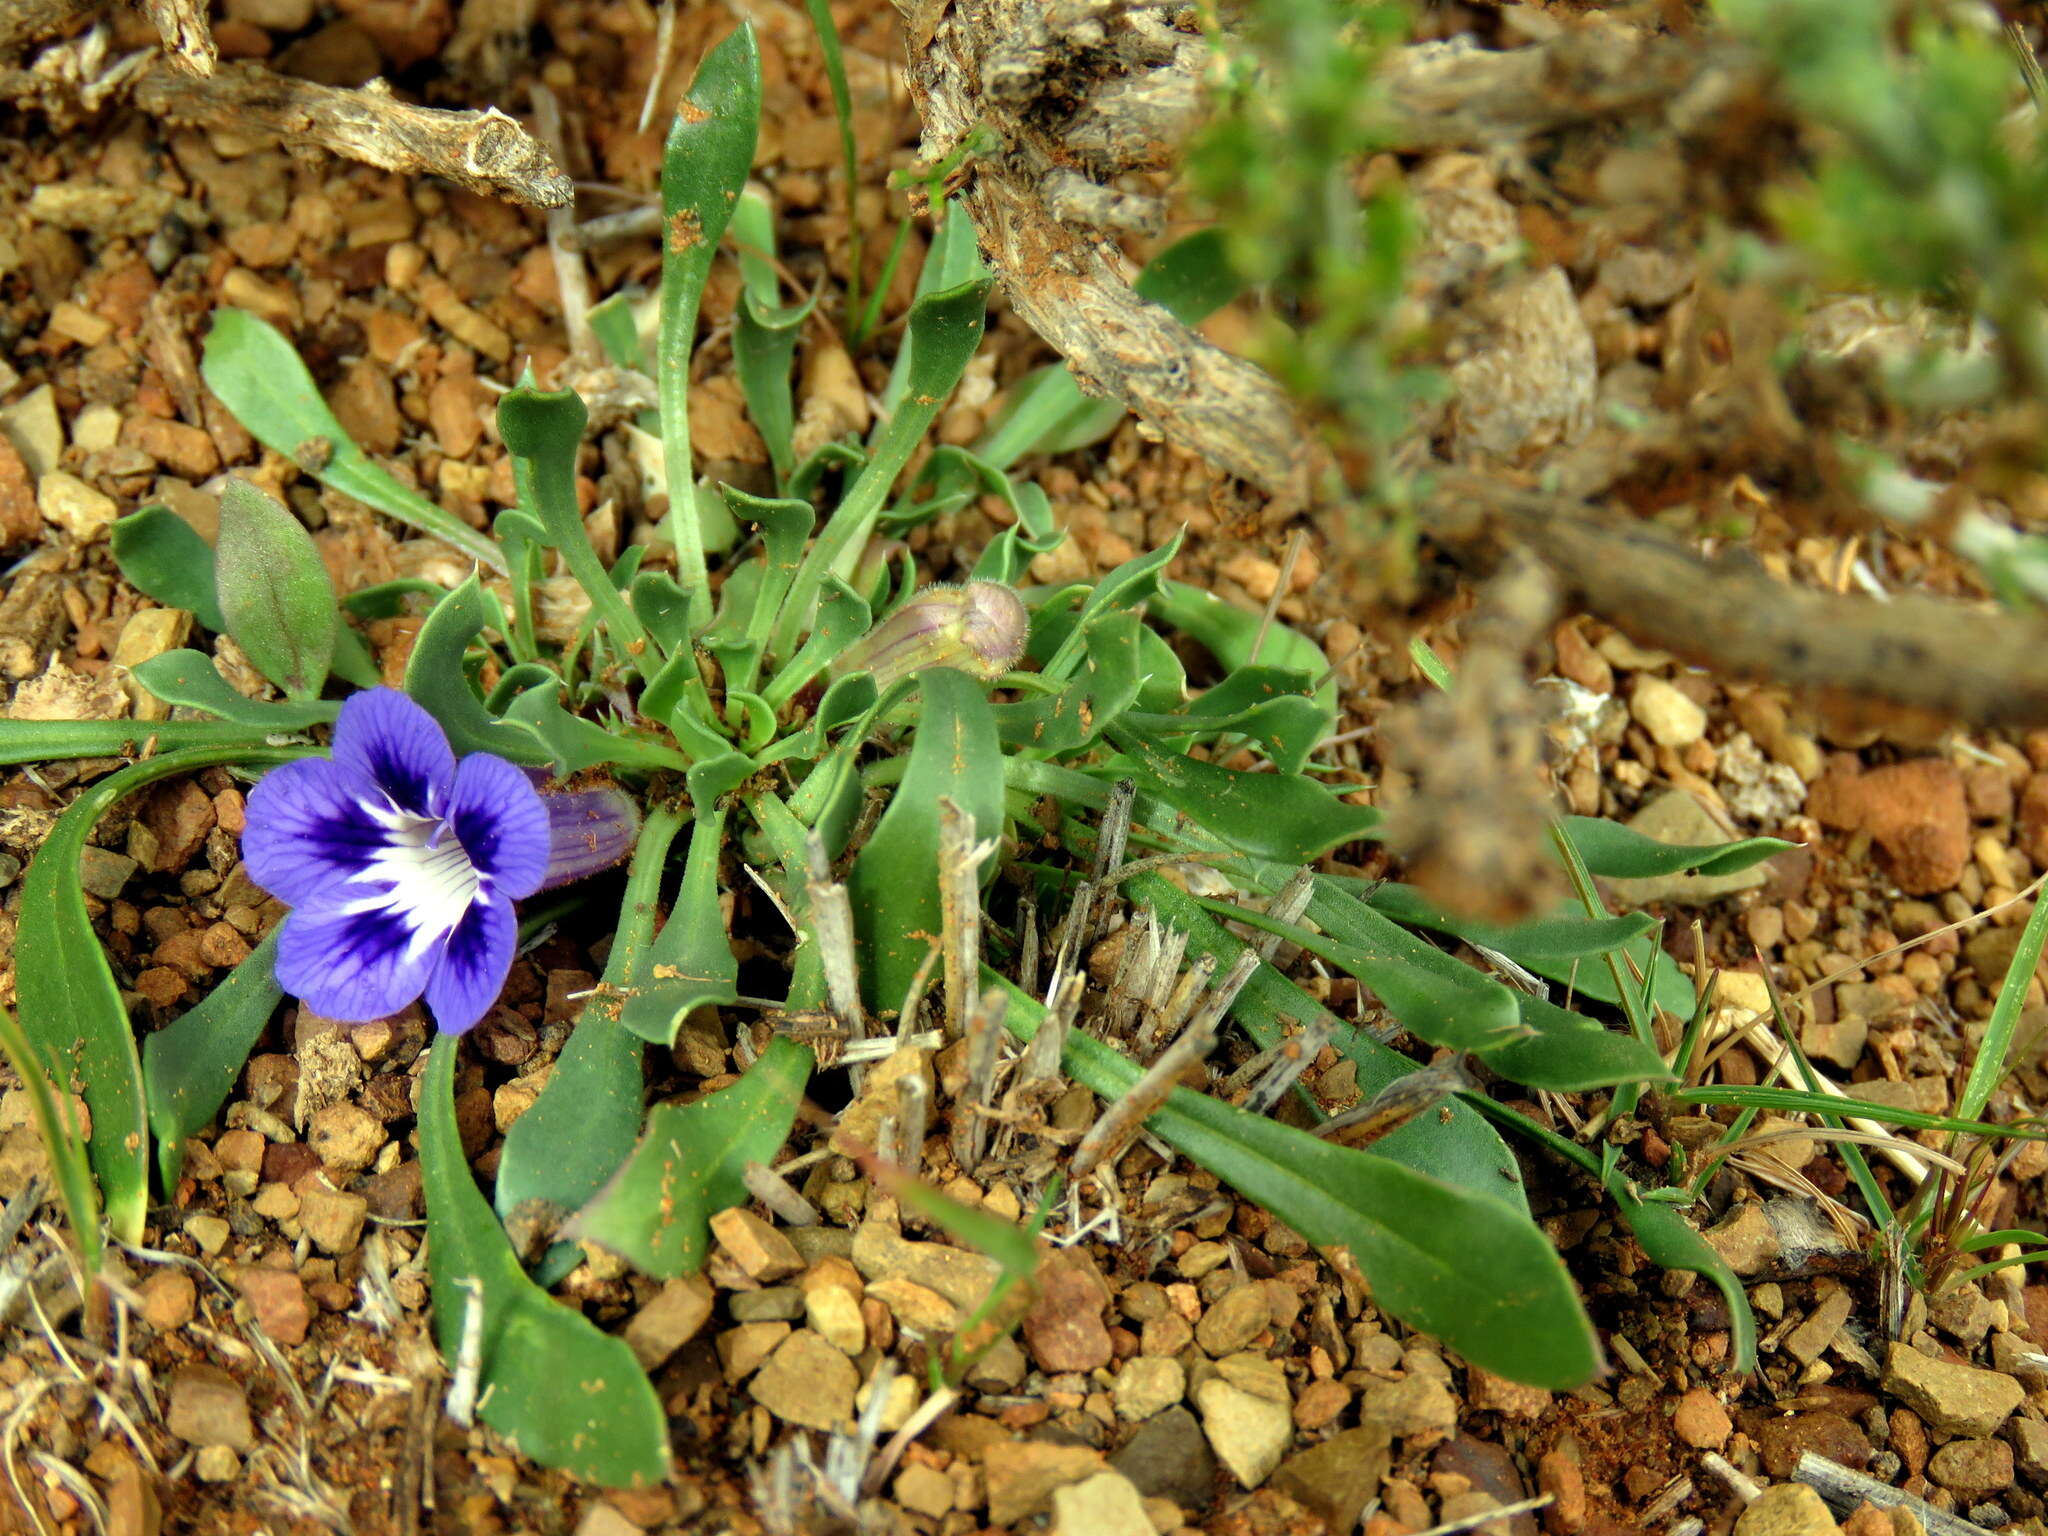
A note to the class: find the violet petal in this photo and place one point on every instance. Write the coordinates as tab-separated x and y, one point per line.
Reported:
501	823
398	746
352	964
309	830
474	965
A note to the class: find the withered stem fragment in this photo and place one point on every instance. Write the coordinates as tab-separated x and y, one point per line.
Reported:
28	21
486	151
187	37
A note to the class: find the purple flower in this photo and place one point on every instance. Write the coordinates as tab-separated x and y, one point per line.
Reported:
401	864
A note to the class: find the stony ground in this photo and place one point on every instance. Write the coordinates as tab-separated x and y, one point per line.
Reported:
263	1364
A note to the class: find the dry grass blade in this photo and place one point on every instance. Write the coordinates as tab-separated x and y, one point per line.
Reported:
960	861
832	927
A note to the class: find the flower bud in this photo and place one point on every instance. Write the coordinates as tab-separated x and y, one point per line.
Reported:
588	830
979	629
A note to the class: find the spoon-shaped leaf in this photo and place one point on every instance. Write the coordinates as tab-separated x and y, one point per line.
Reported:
258	376
274	594
692	1164
71	1008
563	1392
189	1066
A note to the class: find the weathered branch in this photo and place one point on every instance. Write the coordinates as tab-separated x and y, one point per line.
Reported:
30	21
980	69
973	61
187	37
1727	613
485	151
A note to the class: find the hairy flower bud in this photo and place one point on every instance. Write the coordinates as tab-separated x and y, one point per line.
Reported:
979	628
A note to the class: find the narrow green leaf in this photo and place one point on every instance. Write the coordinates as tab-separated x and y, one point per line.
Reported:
1465	1268
46	741
1280	816
191	679
542	431
1459	1147
164	557
1799	1101
273	590
691	1165
690	962
943	332
258	376
1989	1068
1009	1244
189	1066
894	882
62	1139
1613	852
827	30
582	1127
560	1390
436	678
704	166
70	1007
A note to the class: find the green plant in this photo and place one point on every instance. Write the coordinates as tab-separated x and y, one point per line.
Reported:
762	717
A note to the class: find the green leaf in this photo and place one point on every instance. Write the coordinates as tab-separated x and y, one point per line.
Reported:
164	557
894	882
189	1066
1010	1245
1275	708
258	376
582	1127
1614	852
704	167
1280	816
1555	947
435	677
765	334
1458	1146
1552	1048
71	1008
62	1140
1799	1101
45	741
1990	1067
1667	1238
191	679
560	1390
690	962
1097	695
943	332
617	330
273	589
691	1165
543	431
576	744
952	260
1461	1266
1238	638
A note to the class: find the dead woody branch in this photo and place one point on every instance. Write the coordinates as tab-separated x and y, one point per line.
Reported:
973	64
484	151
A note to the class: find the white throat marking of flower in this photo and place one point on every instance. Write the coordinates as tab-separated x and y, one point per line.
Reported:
431	883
